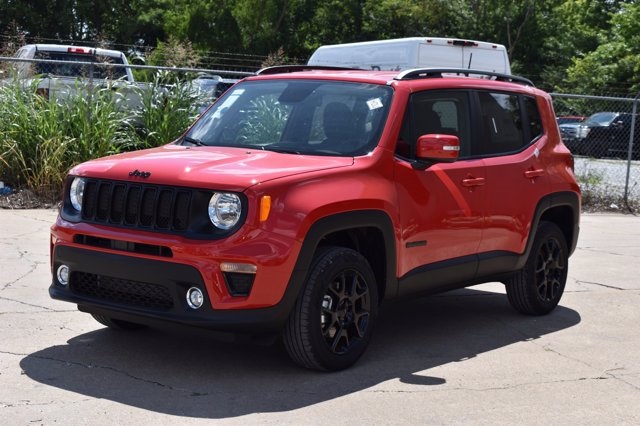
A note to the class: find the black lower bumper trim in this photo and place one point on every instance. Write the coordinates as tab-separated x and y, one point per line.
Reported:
128	288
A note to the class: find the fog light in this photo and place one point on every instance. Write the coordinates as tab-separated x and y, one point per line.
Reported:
195	298
63	274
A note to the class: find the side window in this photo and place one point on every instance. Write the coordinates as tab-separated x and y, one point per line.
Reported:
502	123
533	118
435	112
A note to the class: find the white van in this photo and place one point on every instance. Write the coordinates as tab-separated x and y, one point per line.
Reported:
415	52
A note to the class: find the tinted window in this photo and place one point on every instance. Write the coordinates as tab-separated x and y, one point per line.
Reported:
533	118
501	122
600	119
435	112
307	117
77	70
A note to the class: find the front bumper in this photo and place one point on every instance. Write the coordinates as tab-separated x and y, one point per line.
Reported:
150	291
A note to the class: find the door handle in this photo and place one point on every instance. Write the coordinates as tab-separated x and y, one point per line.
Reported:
473	182
531	174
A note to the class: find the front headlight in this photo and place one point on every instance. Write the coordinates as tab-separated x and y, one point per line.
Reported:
75	193
225	210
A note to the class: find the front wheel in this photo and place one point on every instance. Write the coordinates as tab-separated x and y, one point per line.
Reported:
538	287
332	321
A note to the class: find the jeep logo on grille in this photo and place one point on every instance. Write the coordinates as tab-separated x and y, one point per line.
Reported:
138	173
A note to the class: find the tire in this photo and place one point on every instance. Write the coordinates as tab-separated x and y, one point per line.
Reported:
537	288
332	321
117	324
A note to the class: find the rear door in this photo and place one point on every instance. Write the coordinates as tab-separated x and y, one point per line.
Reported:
516	178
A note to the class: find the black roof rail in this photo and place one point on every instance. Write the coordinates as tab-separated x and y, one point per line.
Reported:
280	69
413	74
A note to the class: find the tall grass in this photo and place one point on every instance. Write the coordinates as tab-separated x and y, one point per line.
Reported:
168	107
41	139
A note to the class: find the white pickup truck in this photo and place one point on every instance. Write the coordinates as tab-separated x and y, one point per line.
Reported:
61	71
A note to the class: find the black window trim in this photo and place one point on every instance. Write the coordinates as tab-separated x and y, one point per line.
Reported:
476	126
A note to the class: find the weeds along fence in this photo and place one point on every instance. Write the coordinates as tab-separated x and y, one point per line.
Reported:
603	134
55	114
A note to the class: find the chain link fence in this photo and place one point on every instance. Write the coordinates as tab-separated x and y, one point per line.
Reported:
604	136
60	75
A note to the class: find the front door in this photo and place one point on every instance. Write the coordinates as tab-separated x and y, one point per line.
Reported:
442	205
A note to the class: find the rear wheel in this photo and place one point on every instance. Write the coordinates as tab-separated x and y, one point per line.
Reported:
537	288
117	324
332	321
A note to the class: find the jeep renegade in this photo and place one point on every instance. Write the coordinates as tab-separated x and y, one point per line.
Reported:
305	197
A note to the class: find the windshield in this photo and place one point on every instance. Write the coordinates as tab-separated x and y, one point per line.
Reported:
296	116
601	119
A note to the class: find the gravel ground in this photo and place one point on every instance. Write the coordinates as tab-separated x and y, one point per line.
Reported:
26	199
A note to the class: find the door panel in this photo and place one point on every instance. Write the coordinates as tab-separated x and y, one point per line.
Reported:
441	211
441	216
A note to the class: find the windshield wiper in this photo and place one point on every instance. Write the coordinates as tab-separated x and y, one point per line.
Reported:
192	141
280	149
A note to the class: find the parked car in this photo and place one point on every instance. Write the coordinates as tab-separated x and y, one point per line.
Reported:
207	88
415	52
569	129
305	197
62	71
569	119
606	134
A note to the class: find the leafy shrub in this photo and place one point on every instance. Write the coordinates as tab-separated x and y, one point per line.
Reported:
41	139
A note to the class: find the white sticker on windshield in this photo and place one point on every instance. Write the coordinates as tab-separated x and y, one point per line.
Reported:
374	103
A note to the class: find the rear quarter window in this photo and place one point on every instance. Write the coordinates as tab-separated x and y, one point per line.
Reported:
501	118
533	118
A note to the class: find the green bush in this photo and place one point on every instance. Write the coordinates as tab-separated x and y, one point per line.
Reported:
41	139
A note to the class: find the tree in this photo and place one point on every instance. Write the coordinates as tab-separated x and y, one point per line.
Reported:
572	30
614	66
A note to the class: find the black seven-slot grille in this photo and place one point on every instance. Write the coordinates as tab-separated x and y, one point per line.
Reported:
147	207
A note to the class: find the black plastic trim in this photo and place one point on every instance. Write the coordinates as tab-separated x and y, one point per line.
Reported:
176	276
342	222
490	266
418	73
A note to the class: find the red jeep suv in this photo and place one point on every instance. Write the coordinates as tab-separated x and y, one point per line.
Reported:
304	197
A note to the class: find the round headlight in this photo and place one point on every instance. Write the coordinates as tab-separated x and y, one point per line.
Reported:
76	192
224	210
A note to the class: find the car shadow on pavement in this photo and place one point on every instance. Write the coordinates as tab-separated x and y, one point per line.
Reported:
186	373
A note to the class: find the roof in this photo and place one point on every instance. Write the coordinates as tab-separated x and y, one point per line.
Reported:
384	77
66	47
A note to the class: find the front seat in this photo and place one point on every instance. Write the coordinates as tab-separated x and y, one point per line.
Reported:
339	125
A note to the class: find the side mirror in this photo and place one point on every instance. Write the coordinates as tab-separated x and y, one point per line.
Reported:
438	148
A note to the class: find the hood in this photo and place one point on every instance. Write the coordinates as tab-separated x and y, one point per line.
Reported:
224	168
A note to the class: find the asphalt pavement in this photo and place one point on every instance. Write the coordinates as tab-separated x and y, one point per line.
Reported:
463	357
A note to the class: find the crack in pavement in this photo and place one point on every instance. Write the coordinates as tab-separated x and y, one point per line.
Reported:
28	304
599	250
607	372
29	403
604	285
33	267
505	387
100	367
548	348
